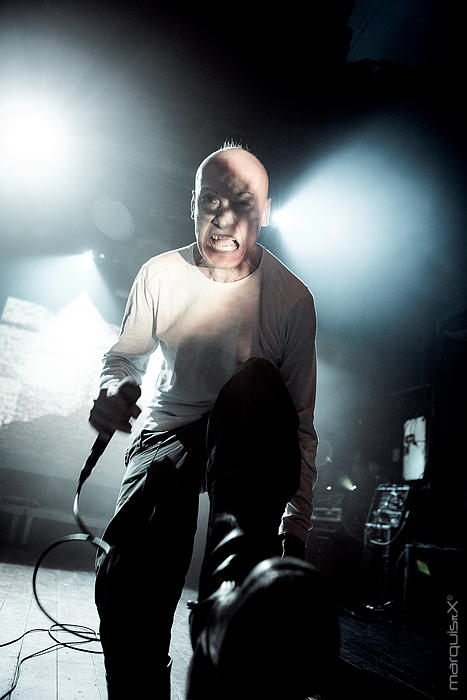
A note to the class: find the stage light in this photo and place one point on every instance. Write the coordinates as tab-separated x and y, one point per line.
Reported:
34	140
347	484
333	218
364	212
86	259
324	453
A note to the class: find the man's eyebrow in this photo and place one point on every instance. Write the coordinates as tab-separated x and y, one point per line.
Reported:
206	187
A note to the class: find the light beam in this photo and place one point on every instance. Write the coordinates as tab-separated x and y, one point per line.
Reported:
34	141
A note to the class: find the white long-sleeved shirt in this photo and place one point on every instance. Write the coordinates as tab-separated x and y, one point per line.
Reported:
205	330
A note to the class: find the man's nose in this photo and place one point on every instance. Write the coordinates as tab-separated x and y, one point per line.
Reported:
224	216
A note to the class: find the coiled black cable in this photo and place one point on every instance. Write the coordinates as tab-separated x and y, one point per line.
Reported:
131	393
84	536
85	634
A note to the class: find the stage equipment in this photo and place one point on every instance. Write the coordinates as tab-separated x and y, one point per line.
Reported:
326	519
387	519
434	585
388	513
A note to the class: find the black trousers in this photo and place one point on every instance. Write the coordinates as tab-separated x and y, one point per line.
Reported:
247	450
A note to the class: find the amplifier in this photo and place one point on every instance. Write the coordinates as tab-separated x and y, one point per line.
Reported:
434	587
326	515
377	533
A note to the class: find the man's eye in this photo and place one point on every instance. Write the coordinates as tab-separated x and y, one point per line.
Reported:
209	200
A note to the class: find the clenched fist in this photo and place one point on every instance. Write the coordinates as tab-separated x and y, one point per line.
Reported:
113	408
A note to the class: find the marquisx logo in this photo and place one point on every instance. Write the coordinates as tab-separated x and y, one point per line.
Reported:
454	646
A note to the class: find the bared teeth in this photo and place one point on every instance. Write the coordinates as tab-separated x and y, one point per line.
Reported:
221	242
216	237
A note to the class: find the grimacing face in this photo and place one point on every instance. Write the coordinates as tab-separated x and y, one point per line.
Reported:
230	206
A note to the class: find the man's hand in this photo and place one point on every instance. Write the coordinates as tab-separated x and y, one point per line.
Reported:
293	546
113	409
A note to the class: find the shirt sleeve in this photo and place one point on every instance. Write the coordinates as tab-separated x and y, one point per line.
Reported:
298	369
137	339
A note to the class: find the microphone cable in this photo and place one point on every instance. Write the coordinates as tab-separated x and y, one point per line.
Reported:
57	645
86	634
84	536
131	393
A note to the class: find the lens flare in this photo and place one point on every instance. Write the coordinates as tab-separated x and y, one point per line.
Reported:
34	141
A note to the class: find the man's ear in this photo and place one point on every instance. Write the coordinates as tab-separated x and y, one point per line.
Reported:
192	205
266	213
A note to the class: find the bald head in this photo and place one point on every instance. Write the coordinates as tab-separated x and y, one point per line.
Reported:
233	158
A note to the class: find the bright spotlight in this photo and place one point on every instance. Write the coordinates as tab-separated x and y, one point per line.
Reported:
355	209
347	484
34	141
86	259
330	217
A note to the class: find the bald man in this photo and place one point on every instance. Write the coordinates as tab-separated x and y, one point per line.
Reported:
232	412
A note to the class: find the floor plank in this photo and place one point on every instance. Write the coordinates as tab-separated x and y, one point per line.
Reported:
64	674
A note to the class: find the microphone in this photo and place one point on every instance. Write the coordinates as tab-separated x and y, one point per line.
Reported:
131	393
97	450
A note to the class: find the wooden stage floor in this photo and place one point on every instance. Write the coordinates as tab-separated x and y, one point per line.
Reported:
379	660
64	674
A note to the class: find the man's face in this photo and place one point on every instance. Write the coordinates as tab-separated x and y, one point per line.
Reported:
229	207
